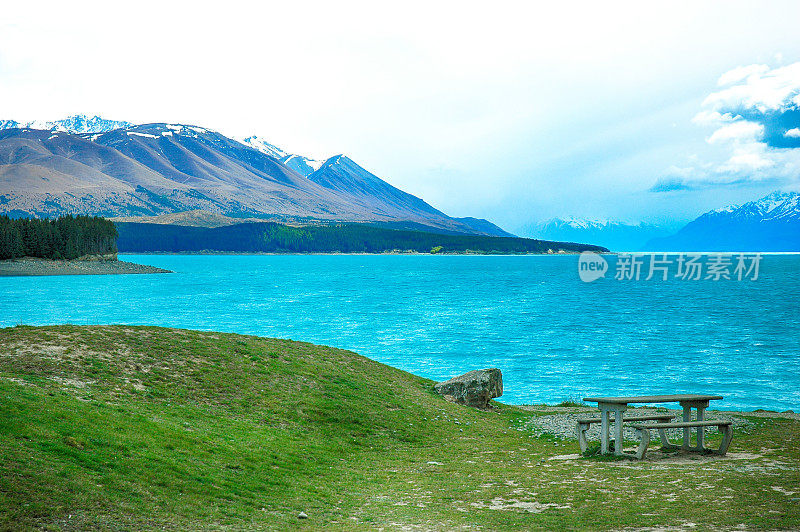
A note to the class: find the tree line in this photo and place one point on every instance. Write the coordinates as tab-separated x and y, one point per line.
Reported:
270	237
66	237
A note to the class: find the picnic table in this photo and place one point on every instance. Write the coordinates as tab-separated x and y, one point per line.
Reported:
618	405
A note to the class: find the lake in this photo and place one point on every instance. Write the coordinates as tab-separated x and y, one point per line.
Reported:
553	336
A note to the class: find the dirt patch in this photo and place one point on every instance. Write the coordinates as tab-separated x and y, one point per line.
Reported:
18	381
54	351
533	507
70	382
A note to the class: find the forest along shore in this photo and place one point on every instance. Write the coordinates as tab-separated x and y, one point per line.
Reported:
35	266
68	245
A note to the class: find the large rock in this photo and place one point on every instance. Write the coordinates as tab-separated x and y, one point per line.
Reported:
475	388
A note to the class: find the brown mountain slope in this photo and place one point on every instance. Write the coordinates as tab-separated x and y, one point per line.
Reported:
157	169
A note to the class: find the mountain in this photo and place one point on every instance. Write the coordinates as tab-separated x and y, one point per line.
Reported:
198	218
302	165
71	124
259	144
771	223
481	226
616	236
344	176
160	168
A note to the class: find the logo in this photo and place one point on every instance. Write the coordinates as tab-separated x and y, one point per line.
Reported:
591	266
662	266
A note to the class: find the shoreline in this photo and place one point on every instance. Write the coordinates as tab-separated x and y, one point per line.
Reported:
388	253
450	254
35	267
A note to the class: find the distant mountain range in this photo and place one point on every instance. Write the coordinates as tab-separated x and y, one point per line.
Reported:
188	175
617	236
771	223
85	165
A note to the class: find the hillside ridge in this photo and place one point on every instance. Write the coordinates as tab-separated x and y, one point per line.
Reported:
116	169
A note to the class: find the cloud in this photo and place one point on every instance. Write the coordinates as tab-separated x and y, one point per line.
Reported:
758	89
755	122
741	131
670	184
712	118
746	161
711	181
739	73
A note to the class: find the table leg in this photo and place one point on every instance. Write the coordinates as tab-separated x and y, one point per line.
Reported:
700	416
618	411
700	430
687	433
603	429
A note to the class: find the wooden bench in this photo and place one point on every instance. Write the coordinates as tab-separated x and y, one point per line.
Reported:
643	431
583	425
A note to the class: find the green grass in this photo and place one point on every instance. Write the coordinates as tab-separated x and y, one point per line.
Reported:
572	402
140	428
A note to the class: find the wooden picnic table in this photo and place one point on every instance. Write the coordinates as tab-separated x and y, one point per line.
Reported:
618	405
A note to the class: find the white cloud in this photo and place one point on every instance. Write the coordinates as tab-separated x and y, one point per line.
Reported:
745	116
740	73
712	118
749	159
741	131
761	90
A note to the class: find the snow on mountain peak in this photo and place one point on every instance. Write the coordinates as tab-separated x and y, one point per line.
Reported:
95	125
302	165
71	124
259	144
169	130
772	206
84	124
582	223
725	210
769	203
779	205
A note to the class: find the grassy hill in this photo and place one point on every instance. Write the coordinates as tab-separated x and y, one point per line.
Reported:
117	427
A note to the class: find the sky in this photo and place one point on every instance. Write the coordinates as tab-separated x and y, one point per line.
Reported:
517	112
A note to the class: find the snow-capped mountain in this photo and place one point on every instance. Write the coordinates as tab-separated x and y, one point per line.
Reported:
775	206
771	223
163	168
257	143
300	164
71	124
615	235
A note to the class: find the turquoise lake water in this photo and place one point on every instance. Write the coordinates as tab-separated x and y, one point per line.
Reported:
554	336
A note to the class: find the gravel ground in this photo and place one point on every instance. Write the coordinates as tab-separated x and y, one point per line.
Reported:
28	266
562	425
